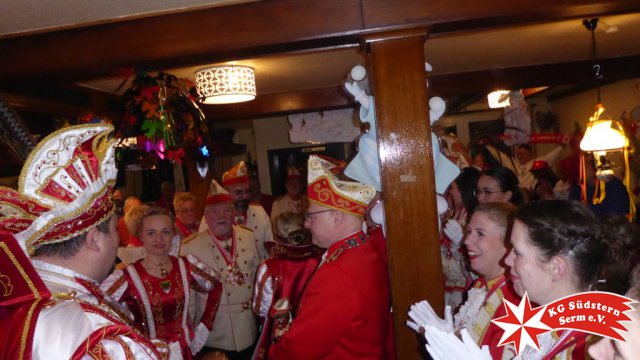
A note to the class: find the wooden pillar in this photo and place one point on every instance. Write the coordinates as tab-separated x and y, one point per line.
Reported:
408	186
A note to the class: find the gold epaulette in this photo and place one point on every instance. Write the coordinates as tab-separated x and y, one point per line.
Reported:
349	244
244	227
335	255
189	238
59	297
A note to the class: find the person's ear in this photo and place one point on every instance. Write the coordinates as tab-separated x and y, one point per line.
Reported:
337	217
93	242
558	267
510	194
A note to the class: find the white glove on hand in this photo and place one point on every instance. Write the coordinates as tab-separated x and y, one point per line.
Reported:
561	190
175	351
454	232
358	94
199	338
447	346
422	315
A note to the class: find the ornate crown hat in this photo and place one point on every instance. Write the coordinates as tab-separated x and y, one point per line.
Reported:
64	187
325	189
236	175
217	194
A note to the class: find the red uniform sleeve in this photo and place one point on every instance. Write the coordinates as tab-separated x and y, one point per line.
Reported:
207	287
326	311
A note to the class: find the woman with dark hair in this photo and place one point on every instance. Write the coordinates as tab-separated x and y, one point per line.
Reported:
559	248
462	202
461	191
499	184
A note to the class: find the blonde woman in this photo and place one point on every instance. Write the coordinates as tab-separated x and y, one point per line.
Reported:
157	288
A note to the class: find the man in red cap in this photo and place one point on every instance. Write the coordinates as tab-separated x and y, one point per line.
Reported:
294	200
63	217
344	309
231	250
253	216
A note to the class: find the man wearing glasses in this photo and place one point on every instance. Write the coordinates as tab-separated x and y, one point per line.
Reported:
344	310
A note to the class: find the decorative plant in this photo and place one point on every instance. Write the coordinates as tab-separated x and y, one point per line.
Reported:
161	112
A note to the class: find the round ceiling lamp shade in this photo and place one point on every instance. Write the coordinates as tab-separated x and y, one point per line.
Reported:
226	84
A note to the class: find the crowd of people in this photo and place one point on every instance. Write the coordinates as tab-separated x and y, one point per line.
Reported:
308	281
504	237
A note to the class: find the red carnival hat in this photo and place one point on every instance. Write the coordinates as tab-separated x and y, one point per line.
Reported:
217	195
236	175
539	165
325	189
64	187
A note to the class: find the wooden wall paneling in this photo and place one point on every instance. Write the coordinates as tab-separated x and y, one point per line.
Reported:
180	39
445	16
397	66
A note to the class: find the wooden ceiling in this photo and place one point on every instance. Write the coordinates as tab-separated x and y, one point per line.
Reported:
40	72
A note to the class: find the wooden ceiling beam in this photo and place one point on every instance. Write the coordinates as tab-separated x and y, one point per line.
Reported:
471	86
466	15
280	104
42	106
257	29
179	39
576	72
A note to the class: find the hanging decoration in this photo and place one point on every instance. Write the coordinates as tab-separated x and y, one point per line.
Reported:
161	113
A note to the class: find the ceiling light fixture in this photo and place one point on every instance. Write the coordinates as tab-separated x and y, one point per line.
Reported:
498	99
602	137
226	84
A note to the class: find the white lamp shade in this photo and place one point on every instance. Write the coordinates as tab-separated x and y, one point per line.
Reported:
498	99
603	135
226	84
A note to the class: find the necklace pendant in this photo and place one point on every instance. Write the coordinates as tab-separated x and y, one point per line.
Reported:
165	286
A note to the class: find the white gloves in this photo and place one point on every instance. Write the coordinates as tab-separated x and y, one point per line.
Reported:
454	232
562	190
358	94
422	315
447	346
200	337
175	351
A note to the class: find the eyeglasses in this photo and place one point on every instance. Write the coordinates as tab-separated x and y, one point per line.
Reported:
485	192
307	215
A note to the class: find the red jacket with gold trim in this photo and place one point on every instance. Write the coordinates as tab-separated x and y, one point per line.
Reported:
344	310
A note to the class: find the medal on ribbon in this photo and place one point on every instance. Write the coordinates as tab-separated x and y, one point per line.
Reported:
235	275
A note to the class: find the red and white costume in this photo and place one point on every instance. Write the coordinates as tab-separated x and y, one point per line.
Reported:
282	276
186	231
81	322
48	311
160	305
484	303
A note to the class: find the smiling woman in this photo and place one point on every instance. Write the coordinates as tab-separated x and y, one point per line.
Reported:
171	279
486	246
